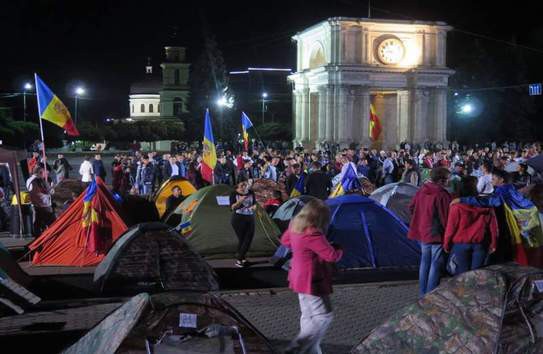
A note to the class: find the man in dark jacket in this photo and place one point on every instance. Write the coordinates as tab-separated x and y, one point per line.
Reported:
430	208
293	178
98	167
318	183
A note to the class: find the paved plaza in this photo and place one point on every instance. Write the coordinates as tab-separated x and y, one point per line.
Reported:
358	308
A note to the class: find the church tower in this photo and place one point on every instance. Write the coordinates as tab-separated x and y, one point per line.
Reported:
175	83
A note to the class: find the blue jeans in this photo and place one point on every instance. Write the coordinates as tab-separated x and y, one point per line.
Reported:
468	256
431	265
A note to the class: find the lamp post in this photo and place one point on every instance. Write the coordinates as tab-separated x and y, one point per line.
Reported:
27	87
79	91
223	102
264	96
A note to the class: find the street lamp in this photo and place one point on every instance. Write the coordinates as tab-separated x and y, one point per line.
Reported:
27	87
223	102
264	96
79	91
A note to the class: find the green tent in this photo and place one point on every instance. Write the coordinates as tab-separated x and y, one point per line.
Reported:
206	225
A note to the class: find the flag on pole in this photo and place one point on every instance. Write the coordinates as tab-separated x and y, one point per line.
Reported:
51	108
375	125
245	124
209	159
348	182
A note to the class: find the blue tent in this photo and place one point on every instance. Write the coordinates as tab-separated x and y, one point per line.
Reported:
371	235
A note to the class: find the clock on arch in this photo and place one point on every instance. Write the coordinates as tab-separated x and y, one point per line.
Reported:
390	51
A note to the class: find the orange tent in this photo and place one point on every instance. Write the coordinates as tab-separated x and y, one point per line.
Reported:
83	234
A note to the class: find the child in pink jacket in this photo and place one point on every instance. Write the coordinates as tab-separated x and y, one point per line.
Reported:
310	274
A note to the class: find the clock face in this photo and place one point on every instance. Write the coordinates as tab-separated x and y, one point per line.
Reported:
390	51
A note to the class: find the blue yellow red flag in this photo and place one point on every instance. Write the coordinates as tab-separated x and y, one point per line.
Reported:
348	182
52	109
90	215
209	159
298	187
245	124
375	124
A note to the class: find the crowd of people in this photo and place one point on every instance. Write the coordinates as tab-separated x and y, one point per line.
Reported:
455	227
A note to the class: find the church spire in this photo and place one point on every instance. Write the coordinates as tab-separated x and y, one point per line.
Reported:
149	67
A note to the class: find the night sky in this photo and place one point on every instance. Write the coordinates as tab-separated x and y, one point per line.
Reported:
104	44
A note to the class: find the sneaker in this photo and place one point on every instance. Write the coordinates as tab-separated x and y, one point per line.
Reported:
239	264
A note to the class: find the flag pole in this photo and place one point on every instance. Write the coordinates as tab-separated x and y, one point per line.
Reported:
41	128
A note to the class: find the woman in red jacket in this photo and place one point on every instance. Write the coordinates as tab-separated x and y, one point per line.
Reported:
310	274
471	233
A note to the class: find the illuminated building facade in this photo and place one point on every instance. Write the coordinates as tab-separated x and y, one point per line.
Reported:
346	64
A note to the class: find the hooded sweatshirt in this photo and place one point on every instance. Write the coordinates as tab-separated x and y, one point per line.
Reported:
309	272
430	208
470	224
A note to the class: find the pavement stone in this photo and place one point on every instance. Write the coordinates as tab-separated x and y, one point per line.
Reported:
358	308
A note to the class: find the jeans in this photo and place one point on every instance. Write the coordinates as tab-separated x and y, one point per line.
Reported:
147	189
316	318
468	256
431	265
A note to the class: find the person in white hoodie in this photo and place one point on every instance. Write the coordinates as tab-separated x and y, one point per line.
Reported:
86	171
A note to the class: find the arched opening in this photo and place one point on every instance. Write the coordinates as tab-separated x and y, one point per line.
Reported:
151	108
132	108
142	108
317	57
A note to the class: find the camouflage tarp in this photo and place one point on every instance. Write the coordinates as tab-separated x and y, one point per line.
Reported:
263	189
493	310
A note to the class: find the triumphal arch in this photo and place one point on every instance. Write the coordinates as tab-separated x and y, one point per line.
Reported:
344	65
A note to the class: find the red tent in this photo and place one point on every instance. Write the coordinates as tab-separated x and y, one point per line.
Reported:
81	236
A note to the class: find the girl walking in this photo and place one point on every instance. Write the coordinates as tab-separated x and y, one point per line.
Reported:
310	274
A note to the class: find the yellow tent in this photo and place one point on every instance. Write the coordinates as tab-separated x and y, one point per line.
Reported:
166	190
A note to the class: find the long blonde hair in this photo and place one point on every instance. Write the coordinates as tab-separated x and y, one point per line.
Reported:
314	214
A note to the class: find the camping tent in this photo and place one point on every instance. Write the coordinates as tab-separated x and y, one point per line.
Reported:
185	323
206	225
151	257
498	309
165	191
70	242
289	209
396	197
371	236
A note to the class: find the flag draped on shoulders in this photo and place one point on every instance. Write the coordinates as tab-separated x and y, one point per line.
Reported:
298	187
245	124
348	182
52	109
524	225
209	159
375	124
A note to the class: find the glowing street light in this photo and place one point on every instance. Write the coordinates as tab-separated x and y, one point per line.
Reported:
27	87
466	108
264	96
79	91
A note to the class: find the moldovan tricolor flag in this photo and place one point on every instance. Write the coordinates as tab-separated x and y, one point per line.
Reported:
375	124
245	124
209	159
52	109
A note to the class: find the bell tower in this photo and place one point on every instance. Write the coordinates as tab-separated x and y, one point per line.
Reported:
175	83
